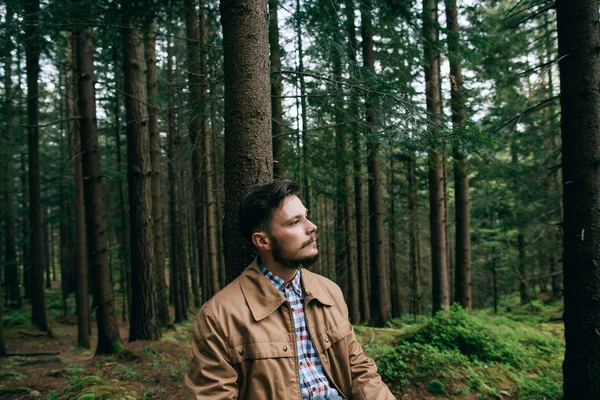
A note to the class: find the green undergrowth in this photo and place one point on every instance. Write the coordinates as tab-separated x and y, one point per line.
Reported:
517	354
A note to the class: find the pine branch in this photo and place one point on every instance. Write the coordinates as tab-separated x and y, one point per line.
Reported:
528	111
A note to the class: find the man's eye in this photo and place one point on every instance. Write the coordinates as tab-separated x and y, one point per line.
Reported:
294	222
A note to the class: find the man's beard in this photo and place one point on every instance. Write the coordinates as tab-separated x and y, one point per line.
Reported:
292	263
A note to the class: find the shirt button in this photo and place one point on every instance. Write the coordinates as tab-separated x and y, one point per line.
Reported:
301	364
326	340
241	352
284	347
314	389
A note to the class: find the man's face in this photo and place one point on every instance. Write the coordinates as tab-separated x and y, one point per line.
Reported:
292	235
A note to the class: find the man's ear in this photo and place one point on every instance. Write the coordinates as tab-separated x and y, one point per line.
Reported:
261	240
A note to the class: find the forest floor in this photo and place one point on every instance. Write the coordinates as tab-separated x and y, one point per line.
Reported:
517	354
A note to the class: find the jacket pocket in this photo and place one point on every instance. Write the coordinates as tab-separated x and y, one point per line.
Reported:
257	351
334	335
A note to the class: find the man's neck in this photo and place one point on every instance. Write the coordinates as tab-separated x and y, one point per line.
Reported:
287	274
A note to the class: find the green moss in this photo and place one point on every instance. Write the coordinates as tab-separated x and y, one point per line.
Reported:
435	387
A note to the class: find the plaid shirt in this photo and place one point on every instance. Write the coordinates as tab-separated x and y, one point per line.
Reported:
313	382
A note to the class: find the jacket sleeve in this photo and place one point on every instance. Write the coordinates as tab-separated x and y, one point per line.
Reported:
210	374
366	382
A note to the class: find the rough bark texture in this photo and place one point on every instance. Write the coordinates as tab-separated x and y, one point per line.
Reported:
144	324
25	230
437	223
248	141
109	340
32	53
394	268
380	312
195	128
462	267
414	256
276	92
11	265
578	43
155	159
81	257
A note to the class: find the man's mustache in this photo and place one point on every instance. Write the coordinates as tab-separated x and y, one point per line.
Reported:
309	241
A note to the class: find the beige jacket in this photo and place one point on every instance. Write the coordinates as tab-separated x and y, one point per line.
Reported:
244	344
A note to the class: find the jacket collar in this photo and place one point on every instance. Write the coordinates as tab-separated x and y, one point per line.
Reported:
263	298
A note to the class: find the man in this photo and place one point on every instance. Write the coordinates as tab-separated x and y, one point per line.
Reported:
279	331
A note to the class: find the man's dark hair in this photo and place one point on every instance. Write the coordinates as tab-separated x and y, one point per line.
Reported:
259	204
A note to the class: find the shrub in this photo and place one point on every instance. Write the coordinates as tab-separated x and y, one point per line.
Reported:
435	387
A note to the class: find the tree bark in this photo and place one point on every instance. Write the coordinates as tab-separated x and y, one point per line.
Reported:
11	265
32	54
380	313
414	256
81	256
462	267
439	267
248	140
276	92
394	268
144	323
109	339
155	160
578	43
361	264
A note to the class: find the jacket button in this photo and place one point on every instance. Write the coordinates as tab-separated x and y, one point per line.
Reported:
284	348
241	352
326	340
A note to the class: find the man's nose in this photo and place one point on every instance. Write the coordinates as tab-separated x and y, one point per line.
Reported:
311	227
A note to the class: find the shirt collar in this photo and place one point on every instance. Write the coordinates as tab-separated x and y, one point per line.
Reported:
280	284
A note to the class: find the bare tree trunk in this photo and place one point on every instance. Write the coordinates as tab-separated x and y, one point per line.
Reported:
25	230
413	237
11	265
155	159
276	92
248	140
109	339
439	267
380	313
124	231
578	43
361	264
144	323
32	51
462	279
81	256
394	268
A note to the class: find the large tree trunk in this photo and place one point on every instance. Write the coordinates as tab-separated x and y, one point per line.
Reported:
81	257
394	268
462	279
109	339
248	141
11	265
195	127
3	352
380	313
439	267
144	324
26	250
32	53
578	43
276	92
414	256
155	156
361	264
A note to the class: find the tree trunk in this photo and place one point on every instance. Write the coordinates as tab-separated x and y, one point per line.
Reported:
124	231
26	257
276	92
3	352
380	313
414	257
32	53
109	339
144	323
157	219
439	267
248	141
81	257
11	264
462	267
394	268
196	121
361	264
